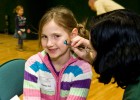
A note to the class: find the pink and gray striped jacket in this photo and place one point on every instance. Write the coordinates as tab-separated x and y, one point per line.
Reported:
42	83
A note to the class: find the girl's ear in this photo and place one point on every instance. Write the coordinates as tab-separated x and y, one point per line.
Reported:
74	33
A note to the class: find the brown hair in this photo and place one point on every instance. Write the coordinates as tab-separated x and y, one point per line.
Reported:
18	7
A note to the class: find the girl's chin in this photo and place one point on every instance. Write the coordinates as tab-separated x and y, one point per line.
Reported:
53	58
51	52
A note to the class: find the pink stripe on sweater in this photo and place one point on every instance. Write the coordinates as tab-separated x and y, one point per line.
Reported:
86	67
72	97
47	97
31	92
33	59
31	98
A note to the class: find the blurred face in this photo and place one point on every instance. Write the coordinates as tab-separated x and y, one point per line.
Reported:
20	12
91	4
52	40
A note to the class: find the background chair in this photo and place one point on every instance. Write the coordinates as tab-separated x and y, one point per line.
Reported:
11	78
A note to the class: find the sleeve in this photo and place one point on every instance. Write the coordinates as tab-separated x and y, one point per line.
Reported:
81	83
31	89
17	23
132	92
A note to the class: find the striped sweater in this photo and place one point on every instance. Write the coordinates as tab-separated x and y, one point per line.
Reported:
42	83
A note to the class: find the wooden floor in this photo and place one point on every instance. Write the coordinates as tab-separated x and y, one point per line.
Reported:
8	48
8	51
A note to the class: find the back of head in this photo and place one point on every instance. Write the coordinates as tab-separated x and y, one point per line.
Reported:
116	38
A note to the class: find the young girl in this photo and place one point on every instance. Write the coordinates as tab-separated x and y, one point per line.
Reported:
20	23
56	73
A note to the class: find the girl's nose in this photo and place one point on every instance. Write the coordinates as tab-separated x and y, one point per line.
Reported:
50	43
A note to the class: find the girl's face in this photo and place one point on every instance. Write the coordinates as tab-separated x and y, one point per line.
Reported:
20	12
52	40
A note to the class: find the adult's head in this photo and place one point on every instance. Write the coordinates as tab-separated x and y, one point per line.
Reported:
116	38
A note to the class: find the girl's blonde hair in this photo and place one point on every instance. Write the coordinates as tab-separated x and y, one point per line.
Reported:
65	19
18	7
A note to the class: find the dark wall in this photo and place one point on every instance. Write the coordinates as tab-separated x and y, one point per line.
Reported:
34	10
130	4
79	7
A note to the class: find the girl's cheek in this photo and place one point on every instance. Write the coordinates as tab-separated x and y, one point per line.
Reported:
43	43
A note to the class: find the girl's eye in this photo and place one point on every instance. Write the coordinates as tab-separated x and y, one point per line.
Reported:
43	36
56	36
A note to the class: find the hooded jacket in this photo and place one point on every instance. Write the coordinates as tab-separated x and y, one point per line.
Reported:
42	83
